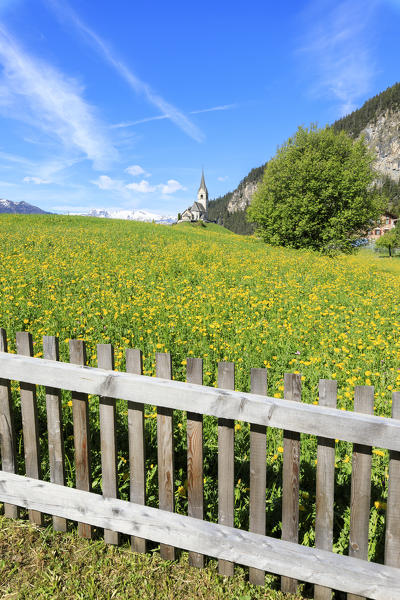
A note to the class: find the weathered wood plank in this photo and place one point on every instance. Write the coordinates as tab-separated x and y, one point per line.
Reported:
108	438
80	416
55	427
325	484
392	537
360	485
137	456
291	477
30	425
258	470
194	429
226	463
165	450
378	582
7	430
273	412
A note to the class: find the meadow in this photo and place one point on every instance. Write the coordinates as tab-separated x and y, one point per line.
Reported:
205	292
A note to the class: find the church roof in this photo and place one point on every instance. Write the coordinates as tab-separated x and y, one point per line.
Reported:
197	206
202	182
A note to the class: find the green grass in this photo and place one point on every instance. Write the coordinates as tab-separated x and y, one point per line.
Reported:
39	563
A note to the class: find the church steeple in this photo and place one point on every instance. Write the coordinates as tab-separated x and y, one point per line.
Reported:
202	194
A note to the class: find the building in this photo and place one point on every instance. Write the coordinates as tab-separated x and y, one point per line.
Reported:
382	226
198	210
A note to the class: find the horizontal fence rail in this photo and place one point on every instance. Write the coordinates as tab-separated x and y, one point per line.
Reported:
242	547
226	404
285	557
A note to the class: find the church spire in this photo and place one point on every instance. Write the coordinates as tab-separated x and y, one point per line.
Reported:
202	194
202	182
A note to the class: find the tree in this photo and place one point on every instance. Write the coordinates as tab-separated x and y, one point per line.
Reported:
389	240
316	193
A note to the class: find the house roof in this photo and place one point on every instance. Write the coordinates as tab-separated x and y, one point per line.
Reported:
197	206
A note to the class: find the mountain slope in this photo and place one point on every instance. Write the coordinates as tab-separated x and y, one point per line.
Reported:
21	208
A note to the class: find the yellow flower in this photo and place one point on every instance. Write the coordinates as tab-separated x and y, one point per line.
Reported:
346	459
181	491
280	449
69	402
238	427
380	505
378	452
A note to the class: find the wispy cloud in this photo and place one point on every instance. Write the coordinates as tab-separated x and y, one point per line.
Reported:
42	96
104	182
336	50
136	170
161	117
65	12
36	180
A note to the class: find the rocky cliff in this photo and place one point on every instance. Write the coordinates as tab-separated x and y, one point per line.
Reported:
383	137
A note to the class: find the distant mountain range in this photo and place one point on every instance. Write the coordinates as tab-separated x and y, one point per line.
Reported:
20	208
131	215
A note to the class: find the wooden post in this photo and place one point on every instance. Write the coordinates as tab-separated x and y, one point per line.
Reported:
108	438
30	425
134	364
194	374
258	470
80	415
325	484
291	479
360	484
392	537
7	431
226	463
165	450
55	427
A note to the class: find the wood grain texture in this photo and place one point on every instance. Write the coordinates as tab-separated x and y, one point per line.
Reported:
291	477
272	412
360	485
137	456
80	416
108	438
55	427
392	534
165	450
30	425
325	484
378	582
7	430
194	431
258	470
226	463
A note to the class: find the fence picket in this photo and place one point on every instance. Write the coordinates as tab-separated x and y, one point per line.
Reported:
325	484
137	469
7	430
30	426
55	427
360	484
108	438
392	537
226	463
290	478
194	374
258	471
165	450
80	415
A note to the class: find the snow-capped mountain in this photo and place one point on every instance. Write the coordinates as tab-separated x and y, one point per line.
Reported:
132	215
22	208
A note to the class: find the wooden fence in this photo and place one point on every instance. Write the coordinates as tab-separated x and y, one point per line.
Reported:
285	557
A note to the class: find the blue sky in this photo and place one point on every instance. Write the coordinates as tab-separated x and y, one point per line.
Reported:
120	104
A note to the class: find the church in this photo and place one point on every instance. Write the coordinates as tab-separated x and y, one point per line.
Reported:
198	211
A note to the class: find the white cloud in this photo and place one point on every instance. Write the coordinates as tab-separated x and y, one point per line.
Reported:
104	182
143	187
336	50
45	98
65	12
166	116
135	170
224	178
171	187
36	180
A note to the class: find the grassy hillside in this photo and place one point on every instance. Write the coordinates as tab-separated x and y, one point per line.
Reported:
203	292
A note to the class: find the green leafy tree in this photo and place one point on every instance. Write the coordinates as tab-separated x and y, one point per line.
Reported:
389	240
316	193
